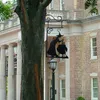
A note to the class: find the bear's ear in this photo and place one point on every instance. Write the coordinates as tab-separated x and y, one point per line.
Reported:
59	35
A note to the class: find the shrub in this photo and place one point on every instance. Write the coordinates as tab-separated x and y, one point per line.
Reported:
80	98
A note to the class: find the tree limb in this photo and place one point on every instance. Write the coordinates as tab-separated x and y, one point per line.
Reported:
18	8
19	3
24	11
45	3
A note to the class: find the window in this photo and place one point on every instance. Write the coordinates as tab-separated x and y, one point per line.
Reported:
51	5
62	89
50	89
94	88
93	48
61	5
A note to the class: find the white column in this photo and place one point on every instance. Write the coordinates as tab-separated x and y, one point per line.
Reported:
67	70
19	71
56	83
2	75
46	82
11	85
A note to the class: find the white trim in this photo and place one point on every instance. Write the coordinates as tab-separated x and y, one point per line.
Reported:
11	29
51	5
93	74
61	4
93	34
62	76
67	69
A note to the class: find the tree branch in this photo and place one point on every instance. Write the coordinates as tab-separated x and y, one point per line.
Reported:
23	9
19	3
18	8
45	3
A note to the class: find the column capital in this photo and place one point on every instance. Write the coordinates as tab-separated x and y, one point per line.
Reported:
3	46
19	42
10	44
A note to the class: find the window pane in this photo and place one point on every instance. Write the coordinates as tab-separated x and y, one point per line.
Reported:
95	83
95	88
63	93
63	83
95	92
94	53
94	47
63	89
94	42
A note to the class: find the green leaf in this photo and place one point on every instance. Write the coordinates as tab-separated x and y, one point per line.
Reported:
92	5
5	10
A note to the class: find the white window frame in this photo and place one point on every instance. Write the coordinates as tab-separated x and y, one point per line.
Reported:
50	86
51	5
61	4
93	98
62	98
92	56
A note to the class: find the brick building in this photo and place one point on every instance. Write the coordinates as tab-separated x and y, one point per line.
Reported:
74	77
78	75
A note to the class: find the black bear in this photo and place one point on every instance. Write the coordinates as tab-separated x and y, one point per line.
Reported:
57	47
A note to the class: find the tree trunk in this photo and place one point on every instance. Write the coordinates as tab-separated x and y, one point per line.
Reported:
31	61
32	20
32	46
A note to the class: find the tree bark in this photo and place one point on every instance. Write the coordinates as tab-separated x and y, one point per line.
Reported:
32	20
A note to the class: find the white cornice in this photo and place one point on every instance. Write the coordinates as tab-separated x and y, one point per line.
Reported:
11	29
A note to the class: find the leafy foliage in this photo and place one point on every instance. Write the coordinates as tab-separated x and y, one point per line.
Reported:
92	5
80	98
5	10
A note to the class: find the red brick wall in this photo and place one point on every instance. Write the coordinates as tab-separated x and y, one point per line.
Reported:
81	65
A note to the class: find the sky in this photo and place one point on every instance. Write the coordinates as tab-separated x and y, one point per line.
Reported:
6	0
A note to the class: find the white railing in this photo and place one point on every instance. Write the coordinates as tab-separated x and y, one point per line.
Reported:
66	15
